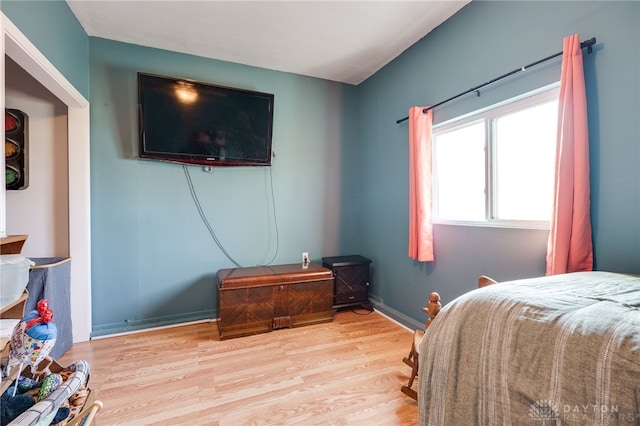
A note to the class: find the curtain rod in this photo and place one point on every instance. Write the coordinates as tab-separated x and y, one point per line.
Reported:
587	43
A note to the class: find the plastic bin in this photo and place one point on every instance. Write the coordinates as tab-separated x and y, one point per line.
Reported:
14	277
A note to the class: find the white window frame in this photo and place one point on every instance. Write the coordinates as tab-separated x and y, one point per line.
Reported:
535	97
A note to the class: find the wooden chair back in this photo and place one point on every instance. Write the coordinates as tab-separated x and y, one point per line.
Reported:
87	416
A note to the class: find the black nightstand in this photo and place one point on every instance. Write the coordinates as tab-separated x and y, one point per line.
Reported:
351	287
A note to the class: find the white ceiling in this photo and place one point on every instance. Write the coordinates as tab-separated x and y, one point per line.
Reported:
344	41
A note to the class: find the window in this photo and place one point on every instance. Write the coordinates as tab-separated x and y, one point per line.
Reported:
495	167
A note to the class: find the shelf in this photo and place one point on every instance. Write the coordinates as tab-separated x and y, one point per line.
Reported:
12	244
15	309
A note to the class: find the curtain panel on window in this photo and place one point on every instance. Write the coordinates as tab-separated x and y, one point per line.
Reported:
570	247
420	176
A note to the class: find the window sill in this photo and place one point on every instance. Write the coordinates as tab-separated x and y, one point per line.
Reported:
514	224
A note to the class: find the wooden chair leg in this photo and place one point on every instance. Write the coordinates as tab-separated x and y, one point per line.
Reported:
432	309
409	392
410	359
407	389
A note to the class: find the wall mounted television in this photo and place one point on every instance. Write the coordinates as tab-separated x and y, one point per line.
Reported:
192	122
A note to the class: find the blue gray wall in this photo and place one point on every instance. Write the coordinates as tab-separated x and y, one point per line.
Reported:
151	251
482	41
55	31
339	178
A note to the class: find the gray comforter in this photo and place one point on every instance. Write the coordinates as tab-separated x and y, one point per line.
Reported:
563	349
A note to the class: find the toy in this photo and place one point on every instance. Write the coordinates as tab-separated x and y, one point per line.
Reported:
33	338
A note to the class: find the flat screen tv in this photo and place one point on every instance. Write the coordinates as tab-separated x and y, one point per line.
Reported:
192	122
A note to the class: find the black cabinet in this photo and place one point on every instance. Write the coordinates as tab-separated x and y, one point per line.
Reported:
351	286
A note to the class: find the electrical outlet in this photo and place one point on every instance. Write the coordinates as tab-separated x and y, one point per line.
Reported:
305	257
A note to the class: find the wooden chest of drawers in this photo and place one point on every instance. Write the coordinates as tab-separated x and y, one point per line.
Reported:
263	298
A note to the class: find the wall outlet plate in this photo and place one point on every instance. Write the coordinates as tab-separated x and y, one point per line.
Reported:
305	257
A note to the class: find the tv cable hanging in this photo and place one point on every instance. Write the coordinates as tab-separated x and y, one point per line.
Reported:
196	201
587	43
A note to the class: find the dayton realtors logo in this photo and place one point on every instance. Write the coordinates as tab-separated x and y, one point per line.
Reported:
543	410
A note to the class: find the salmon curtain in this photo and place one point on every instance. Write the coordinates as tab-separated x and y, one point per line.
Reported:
570	247
420	216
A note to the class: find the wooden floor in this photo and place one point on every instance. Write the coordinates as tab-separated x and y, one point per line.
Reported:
347	372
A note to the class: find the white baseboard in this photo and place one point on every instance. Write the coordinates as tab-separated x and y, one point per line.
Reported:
144	330
395	316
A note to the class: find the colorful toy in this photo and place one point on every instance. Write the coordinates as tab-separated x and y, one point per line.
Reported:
33	338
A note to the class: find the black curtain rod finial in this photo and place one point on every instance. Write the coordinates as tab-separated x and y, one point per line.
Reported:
588	44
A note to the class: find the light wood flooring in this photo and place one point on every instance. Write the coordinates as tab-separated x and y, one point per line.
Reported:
347	372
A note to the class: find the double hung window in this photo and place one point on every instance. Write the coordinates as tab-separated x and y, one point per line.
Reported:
495	167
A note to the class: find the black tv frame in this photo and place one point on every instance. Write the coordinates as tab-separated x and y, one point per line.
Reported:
239	110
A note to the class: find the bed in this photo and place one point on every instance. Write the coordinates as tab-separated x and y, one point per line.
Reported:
563	349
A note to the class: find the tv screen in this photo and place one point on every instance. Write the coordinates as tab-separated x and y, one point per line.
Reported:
192	122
